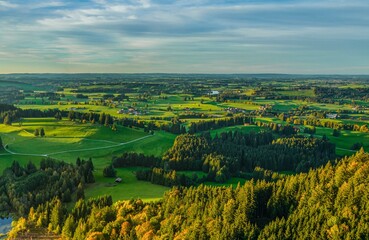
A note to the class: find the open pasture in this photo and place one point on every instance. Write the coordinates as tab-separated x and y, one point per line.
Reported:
66	140
62	137
129	188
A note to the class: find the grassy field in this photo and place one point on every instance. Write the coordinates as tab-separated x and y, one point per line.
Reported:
345	140
129	188
63	136
70	140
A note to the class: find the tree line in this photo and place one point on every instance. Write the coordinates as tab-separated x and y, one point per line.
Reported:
244	152
332	124
9	113
207	125
168	178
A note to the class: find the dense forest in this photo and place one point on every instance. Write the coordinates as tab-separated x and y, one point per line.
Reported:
229	154
243	152
24	187
326	203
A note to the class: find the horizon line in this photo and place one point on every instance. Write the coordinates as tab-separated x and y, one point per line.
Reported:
179	73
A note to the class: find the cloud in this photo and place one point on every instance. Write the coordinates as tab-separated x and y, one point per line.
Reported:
6	4
191	35
145	3
48	4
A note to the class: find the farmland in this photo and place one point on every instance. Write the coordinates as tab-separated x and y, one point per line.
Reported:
140	114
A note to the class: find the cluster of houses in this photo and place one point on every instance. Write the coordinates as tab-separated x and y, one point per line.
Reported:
331	115
131	111
360	108
234	110
213	93
265	107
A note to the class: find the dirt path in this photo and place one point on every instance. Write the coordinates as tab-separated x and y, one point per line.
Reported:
346	149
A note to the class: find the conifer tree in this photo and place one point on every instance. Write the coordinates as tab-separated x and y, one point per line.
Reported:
69	227
7	120
42	132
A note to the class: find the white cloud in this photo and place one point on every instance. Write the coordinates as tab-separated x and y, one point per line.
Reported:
145	3
6	4
132	17
47	4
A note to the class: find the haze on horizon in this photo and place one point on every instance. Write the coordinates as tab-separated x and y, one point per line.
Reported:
185	36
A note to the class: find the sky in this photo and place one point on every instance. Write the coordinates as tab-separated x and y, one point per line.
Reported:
184	36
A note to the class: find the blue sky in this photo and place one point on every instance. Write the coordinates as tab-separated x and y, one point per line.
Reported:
185	36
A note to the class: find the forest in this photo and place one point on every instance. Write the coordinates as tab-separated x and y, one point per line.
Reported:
329	202
27	187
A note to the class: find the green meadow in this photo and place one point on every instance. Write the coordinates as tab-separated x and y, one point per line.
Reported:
345	140
129	188
66	140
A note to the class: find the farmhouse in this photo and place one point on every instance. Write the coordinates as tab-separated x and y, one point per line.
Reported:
331	115
234	110
214	92
265	107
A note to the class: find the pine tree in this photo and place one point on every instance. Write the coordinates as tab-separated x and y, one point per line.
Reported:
30	167
58	116
78	162
336	133
109	171
90	177
80	232
42	132
80	193
90	164
107	120
7	120
56	217
69	228
102	118
71	115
